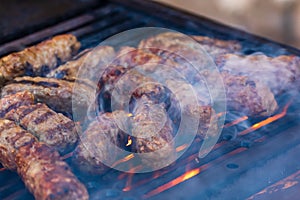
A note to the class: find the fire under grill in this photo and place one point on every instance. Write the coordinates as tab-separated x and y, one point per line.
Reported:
254	158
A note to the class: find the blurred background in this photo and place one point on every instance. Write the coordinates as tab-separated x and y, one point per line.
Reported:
278	20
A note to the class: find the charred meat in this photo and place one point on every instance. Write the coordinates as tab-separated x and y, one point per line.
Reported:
11	102
57	94
153	132
199	110
279	73
12	137
121	83
55	129
246	95
171	42
40	59
243	94
91	61
39	166
131	57
95	144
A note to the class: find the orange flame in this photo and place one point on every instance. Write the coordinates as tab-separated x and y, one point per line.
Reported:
174	182
283	184
266	121
189	174
127	158
237	121
181	148
128	185
221	114
129	142
129	181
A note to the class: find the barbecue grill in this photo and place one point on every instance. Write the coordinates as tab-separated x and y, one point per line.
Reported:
254	158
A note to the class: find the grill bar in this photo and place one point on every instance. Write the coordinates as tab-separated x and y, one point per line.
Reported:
226	181
62	27
290	186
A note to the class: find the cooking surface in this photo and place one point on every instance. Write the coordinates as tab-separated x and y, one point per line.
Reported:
238	167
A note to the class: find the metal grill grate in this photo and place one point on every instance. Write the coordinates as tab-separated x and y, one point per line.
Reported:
226	171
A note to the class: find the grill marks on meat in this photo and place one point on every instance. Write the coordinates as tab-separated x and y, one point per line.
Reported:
12	138
46	175
40	167
243	94
90	62
40	59
279	73
11	102
95	143
50	127
57	94
153	131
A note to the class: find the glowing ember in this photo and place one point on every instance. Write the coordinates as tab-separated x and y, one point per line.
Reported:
129	141
157	174
218	145
132	170
221	114
237	121
174	182
189	174
283	184
266	121
144	181
129	181
181	148
130	156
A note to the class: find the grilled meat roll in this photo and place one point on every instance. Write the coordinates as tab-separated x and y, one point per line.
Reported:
279	73
11	102
55	129
94	145
171	41
128	83
40	167
243	94
91	61
248	96
12	137
57	94
153	131
38	60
